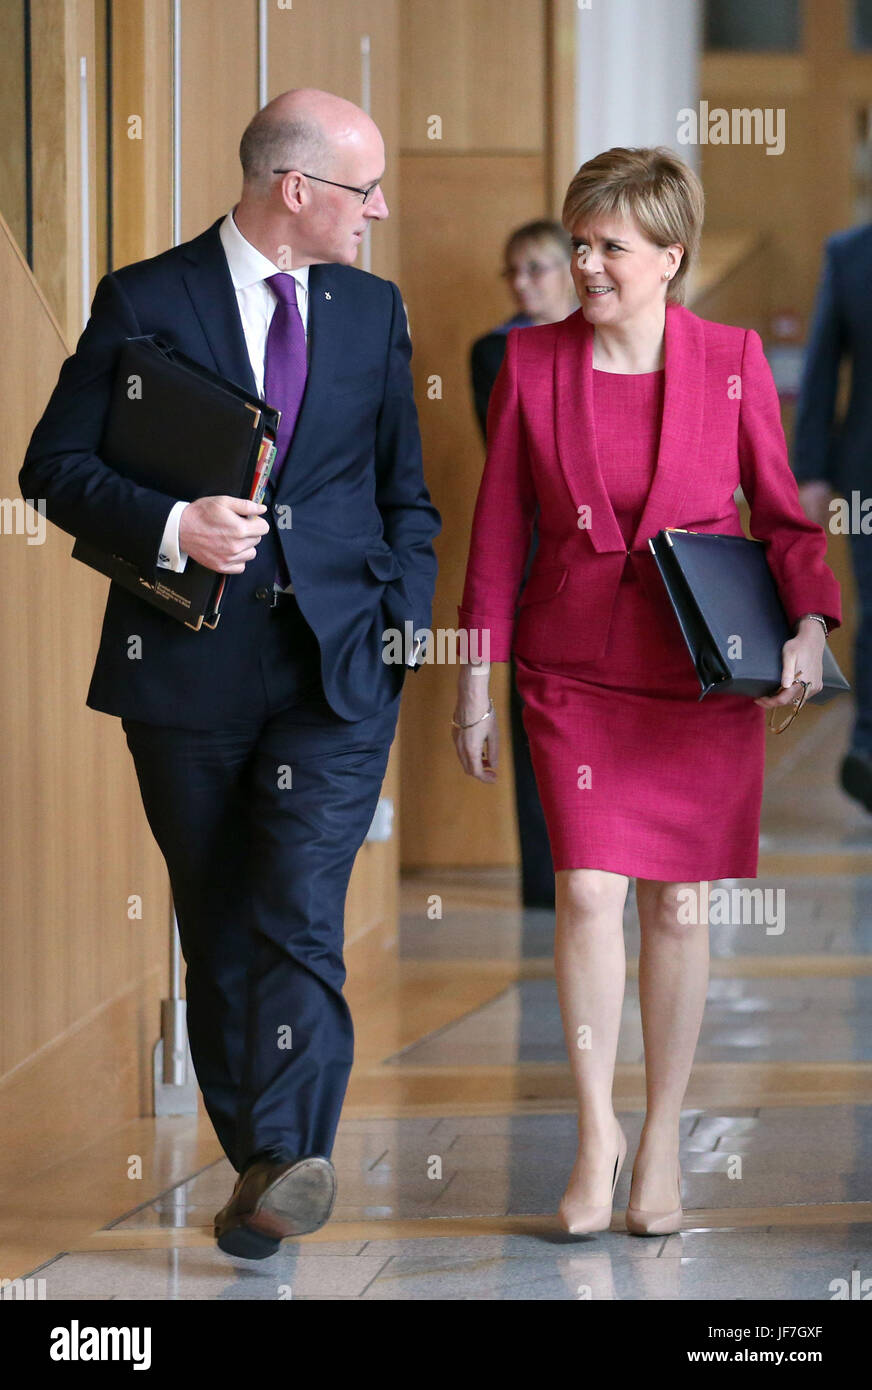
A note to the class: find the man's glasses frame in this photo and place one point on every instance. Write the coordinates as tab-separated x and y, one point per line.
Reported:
365	193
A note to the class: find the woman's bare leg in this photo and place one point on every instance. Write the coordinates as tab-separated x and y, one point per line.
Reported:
673	981
590	966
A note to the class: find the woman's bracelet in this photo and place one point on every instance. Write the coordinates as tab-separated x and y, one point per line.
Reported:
489	710
818	617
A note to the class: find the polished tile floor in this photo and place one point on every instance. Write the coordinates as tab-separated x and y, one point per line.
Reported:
459	1130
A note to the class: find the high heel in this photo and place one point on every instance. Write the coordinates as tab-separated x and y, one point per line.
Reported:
583	1220
656	1223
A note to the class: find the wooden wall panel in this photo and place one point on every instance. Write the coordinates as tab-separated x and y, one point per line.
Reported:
479	65
75	843
219	97
141	168
12	121
61	33
745	188
560	160
458	210
733	280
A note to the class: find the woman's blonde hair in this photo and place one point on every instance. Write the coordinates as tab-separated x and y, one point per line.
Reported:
652	187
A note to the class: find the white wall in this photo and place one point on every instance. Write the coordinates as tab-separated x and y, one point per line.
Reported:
637	65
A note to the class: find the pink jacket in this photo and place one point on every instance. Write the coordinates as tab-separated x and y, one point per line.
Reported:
721	428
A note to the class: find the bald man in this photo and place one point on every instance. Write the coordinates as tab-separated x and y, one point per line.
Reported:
260	746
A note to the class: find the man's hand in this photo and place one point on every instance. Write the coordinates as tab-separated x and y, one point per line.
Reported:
814	498
222	533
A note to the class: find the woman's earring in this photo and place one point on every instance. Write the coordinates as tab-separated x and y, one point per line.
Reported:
666	275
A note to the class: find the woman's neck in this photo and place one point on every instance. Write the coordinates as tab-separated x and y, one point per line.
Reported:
637	346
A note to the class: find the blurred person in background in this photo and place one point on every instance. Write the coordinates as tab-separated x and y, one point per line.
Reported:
835	456
536	268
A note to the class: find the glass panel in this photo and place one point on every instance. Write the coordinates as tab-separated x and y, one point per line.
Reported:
861	24
752	26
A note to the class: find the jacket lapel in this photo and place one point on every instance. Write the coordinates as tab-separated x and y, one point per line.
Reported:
576	436
210	286
680	433
681	427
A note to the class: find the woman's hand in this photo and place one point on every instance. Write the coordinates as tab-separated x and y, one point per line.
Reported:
802	656
478	745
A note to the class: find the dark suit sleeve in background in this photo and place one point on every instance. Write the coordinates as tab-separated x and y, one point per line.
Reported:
485	360
814	433
795	546
82	494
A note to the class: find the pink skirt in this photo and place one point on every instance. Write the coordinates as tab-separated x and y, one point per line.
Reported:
636	775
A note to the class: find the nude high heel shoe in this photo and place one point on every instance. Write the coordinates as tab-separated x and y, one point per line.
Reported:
582	1220
656	1223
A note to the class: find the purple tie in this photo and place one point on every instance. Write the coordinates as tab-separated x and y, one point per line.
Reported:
284	370
284	378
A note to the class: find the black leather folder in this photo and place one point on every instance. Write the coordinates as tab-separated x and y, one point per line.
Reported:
730	613
175	426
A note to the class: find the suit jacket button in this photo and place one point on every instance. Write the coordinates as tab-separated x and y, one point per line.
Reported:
261	593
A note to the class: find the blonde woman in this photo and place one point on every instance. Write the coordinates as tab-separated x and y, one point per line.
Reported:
631	415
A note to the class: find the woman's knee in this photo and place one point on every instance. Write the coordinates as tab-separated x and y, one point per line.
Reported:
673	909
586	894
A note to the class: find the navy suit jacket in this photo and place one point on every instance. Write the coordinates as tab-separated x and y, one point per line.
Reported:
359	544
839	453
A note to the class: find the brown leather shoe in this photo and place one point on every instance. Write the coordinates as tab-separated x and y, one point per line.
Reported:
273	1200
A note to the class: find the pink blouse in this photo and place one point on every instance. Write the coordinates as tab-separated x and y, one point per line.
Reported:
627	413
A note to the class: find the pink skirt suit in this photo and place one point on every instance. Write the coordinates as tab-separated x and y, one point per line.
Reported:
636	774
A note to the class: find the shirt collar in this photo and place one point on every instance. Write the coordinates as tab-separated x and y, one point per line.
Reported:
248	266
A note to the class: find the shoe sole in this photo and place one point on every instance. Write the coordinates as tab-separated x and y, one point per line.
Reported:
250	1245
298	1202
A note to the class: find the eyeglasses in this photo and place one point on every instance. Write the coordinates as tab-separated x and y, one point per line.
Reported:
535	269
365	193
797	706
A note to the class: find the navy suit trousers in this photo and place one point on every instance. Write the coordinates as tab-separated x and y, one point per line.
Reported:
259	822
861	554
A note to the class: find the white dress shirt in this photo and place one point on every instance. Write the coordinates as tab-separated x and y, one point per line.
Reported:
249	270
